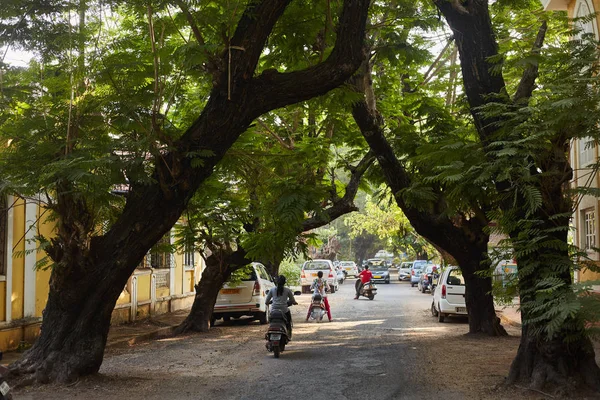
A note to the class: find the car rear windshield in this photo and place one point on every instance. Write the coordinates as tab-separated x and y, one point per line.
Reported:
420	264
347	263
316	265
455	278
376	262
250	277
379	268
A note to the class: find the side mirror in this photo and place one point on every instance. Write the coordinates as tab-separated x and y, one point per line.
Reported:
297	293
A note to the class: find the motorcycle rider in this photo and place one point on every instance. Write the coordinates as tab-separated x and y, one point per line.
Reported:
322	287
365	277
280	296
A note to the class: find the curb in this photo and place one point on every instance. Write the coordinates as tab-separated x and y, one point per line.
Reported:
507	321
143	337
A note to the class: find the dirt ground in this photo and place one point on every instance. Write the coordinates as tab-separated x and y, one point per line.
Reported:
390	348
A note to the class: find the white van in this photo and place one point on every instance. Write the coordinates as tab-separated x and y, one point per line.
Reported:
311	268
246	298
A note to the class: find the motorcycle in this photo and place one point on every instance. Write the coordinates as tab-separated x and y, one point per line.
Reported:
368	290
316	310
279	333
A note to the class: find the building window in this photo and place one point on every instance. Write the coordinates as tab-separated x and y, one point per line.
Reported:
584	9
188	256
589	226
160	255
3	234
586	152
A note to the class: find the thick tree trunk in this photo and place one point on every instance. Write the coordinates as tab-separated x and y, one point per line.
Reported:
218	270
479	299
75	329
566	365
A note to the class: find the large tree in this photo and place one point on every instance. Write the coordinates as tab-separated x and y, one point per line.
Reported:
414	117
526	136
91	266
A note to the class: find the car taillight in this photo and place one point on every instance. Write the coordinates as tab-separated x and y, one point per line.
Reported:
443	291
302	274
412	272
330	274
256	290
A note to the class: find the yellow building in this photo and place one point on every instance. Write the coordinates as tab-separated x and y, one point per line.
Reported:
583	152
162	283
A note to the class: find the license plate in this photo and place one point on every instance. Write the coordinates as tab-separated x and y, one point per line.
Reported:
230	291
377	277
4	388
275	337
461	309
314	274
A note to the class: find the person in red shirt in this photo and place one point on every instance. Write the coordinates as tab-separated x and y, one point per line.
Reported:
365	277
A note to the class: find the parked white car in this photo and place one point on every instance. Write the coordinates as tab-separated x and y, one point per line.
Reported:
246	298
309	272
350	268
449	295
404	271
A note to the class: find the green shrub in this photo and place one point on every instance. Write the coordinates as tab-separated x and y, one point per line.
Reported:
291	272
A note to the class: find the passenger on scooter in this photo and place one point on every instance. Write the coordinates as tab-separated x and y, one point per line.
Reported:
365	277
320	285
280	297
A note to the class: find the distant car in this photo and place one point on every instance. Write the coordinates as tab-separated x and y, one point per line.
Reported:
309	272
349	267
380	271
246	298
415	271
404	271
449	296
428	275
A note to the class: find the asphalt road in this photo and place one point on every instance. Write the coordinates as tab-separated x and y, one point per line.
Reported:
366	352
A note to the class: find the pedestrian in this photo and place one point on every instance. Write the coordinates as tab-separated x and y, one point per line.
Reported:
365	276
322	287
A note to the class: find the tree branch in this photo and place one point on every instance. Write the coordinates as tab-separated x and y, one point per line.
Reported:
275	90
527	83
346	203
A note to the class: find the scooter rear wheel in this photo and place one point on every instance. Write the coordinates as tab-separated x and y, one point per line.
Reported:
276	351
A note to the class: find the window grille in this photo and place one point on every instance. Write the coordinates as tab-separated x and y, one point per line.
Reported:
590	229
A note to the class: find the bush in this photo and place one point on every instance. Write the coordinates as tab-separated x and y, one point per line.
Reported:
291	272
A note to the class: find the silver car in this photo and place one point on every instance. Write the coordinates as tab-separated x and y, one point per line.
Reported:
416	270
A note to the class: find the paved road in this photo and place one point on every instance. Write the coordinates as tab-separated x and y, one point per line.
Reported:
367	352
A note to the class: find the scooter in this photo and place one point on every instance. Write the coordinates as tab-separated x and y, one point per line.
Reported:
279	333
368	290
316	310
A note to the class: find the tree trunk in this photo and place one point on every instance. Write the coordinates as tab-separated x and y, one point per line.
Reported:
76	323
479	299
566	365
219	268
